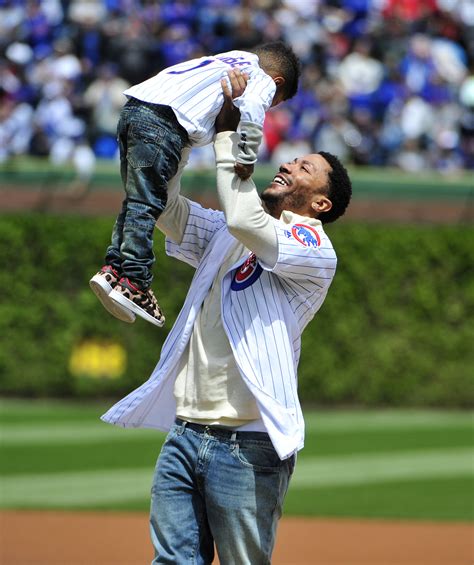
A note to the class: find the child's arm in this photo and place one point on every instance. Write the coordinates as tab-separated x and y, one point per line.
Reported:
253	104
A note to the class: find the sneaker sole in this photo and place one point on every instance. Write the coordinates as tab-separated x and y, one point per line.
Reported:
130	305
102	289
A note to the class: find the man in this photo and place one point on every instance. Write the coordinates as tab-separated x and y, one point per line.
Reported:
226	381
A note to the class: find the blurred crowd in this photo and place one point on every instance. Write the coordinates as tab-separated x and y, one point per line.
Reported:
384	82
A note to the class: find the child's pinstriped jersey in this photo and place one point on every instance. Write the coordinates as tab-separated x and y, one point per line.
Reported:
193	90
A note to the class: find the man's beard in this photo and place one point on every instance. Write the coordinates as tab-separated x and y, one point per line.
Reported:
276	203
272	203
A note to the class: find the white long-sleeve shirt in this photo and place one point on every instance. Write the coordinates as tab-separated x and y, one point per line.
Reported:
268	296
194	92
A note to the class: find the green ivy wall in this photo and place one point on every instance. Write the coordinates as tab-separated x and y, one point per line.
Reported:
397	327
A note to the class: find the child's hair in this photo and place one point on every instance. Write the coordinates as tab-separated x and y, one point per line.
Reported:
279	59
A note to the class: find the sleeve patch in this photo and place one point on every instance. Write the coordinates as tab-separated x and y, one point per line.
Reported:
304	234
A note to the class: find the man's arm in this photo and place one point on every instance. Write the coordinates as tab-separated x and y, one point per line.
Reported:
173	220
246	219
188	226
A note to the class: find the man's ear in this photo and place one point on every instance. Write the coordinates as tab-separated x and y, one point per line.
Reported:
321	204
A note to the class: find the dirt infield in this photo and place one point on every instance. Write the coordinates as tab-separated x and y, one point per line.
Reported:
65	538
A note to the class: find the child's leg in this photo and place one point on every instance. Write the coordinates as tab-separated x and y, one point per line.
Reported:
154	142
136	250
103	282
112	256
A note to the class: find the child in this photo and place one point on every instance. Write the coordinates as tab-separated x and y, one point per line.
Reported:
172	110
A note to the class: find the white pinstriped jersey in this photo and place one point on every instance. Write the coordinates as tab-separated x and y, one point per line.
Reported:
264	312
194	92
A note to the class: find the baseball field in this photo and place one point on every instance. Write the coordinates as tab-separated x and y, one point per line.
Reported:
385	485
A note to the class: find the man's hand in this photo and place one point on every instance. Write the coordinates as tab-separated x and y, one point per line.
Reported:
229	117
243	171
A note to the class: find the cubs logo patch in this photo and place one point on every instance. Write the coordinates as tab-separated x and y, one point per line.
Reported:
306	235
246	274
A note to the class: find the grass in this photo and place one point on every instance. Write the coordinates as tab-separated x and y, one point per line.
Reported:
392	464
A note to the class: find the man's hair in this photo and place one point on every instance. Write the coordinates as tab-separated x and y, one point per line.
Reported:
339	189
279	59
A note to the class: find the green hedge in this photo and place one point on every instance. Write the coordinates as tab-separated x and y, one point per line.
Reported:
396	328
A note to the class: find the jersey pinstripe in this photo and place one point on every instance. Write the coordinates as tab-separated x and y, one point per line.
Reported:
264	311
194	92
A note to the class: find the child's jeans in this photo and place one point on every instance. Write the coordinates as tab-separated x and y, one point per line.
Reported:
151	141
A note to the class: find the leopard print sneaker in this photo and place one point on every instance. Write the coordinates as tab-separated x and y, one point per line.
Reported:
143	303
102	284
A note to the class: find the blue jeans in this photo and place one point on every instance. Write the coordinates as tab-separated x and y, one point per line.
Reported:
211	487
151	141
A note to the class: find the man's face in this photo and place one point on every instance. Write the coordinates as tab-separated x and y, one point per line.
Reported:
296	184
